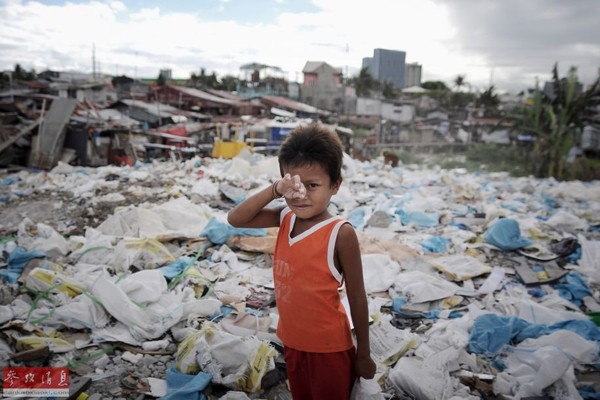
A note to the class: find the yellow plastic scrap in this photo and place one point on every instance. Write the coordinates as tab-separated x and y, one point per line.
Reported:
536	234
152	246
55	344
197	280
185	357
259	367
451	302
43	279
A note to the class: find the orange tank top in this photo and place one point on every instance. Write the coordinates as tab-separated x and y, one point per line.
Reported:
311	315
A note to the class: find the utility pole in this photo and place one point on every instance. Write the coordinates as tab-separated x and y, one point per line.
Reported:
94	61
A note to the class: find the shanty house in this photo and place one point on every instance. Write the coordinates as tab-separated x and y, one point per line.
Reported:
187	98
322	87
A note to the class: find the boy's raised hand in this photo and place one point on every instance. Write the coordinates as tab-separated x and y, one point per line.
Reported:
291	187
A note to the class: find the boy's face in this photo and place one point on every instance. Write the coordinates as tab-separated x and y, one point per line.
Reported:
319	190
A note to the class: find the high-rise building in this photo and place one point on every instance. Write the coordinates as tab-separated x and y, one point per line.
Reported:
167	73
413	75
389	65
367	62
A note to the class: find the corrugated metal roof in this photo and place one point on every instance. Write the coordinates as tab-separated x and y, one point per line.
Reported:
203	95
284	102
158	109
312	66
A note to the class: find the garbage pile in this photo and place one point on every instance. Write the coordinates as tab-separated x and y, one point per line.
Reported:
479	285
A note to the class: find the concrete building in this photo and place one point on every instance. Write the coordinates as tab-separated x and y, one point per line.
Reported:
167	73
322	86
389	65
367	62
413	75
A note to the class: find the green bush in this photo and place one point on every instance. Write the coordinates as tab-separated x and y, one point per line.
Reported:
583	169
489	158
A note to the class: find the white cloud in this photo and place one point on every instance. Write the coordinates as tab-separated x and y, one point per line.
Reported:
118	6
140	42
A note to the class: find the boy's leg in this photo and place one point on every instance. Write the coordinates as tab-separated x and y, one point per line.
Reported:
320	376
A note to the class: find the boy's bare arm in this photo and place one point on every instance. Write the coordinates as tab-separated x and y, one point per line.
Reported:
348	255
252	212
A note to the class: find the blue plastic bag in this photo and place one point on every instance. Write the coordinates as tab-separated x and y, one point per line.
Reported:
219	232
506	235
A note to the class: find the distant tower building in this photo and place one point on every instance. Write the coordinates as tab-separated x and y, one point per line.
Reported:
413	75
389	65
367	62
166	73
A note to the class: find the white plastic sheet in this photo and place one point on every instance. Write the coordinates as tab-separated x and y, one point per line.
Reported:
178	218
41	237
536	364
459	268
420	287
379	271
366	389
421	381
153	319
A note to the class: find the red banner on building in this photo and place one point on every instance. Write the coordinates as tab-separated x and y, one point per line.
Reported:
35	382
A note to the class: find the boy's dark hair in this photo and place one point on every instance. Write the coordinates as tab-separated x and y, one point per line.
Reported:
313	144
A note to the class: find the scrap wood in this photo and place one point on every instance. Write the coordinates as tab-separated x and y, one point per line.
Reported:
19	135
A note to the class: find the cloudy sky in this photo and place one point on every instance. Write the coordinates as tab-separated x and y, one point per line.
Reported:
507	43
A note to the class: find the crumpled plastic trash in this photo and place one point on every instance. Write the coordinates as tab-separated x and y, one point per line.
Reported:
459	268
357	217
219	232
506	235
366	389
565	246
238	363
421	287
186	387
41	237
421	381
141	253
379	271
566	221
419	218
435	244
17	260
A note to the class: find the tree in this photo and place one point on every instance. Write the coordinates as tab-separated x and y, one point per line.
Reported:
161	80
121	80
459	82
20	74
554	121
488	100
364	83
460	99
435	85
204	81
388	90
228	83
439	91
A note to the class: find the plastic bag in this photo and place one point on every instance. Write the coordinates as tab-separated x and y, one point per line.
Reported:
366	389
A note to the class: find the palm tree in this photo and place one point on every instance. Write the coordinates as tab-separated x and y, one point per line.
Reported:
488	99
459	82
554	121
459	99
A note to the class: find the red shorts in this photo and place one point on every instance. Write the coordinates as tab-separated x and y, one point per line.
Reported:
320	376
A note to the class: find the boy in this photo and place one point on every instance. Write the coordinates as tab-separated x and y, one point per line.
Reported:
315	253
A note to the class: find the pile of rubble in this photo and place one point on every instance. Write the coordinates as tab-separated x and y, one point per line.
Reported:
479	285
